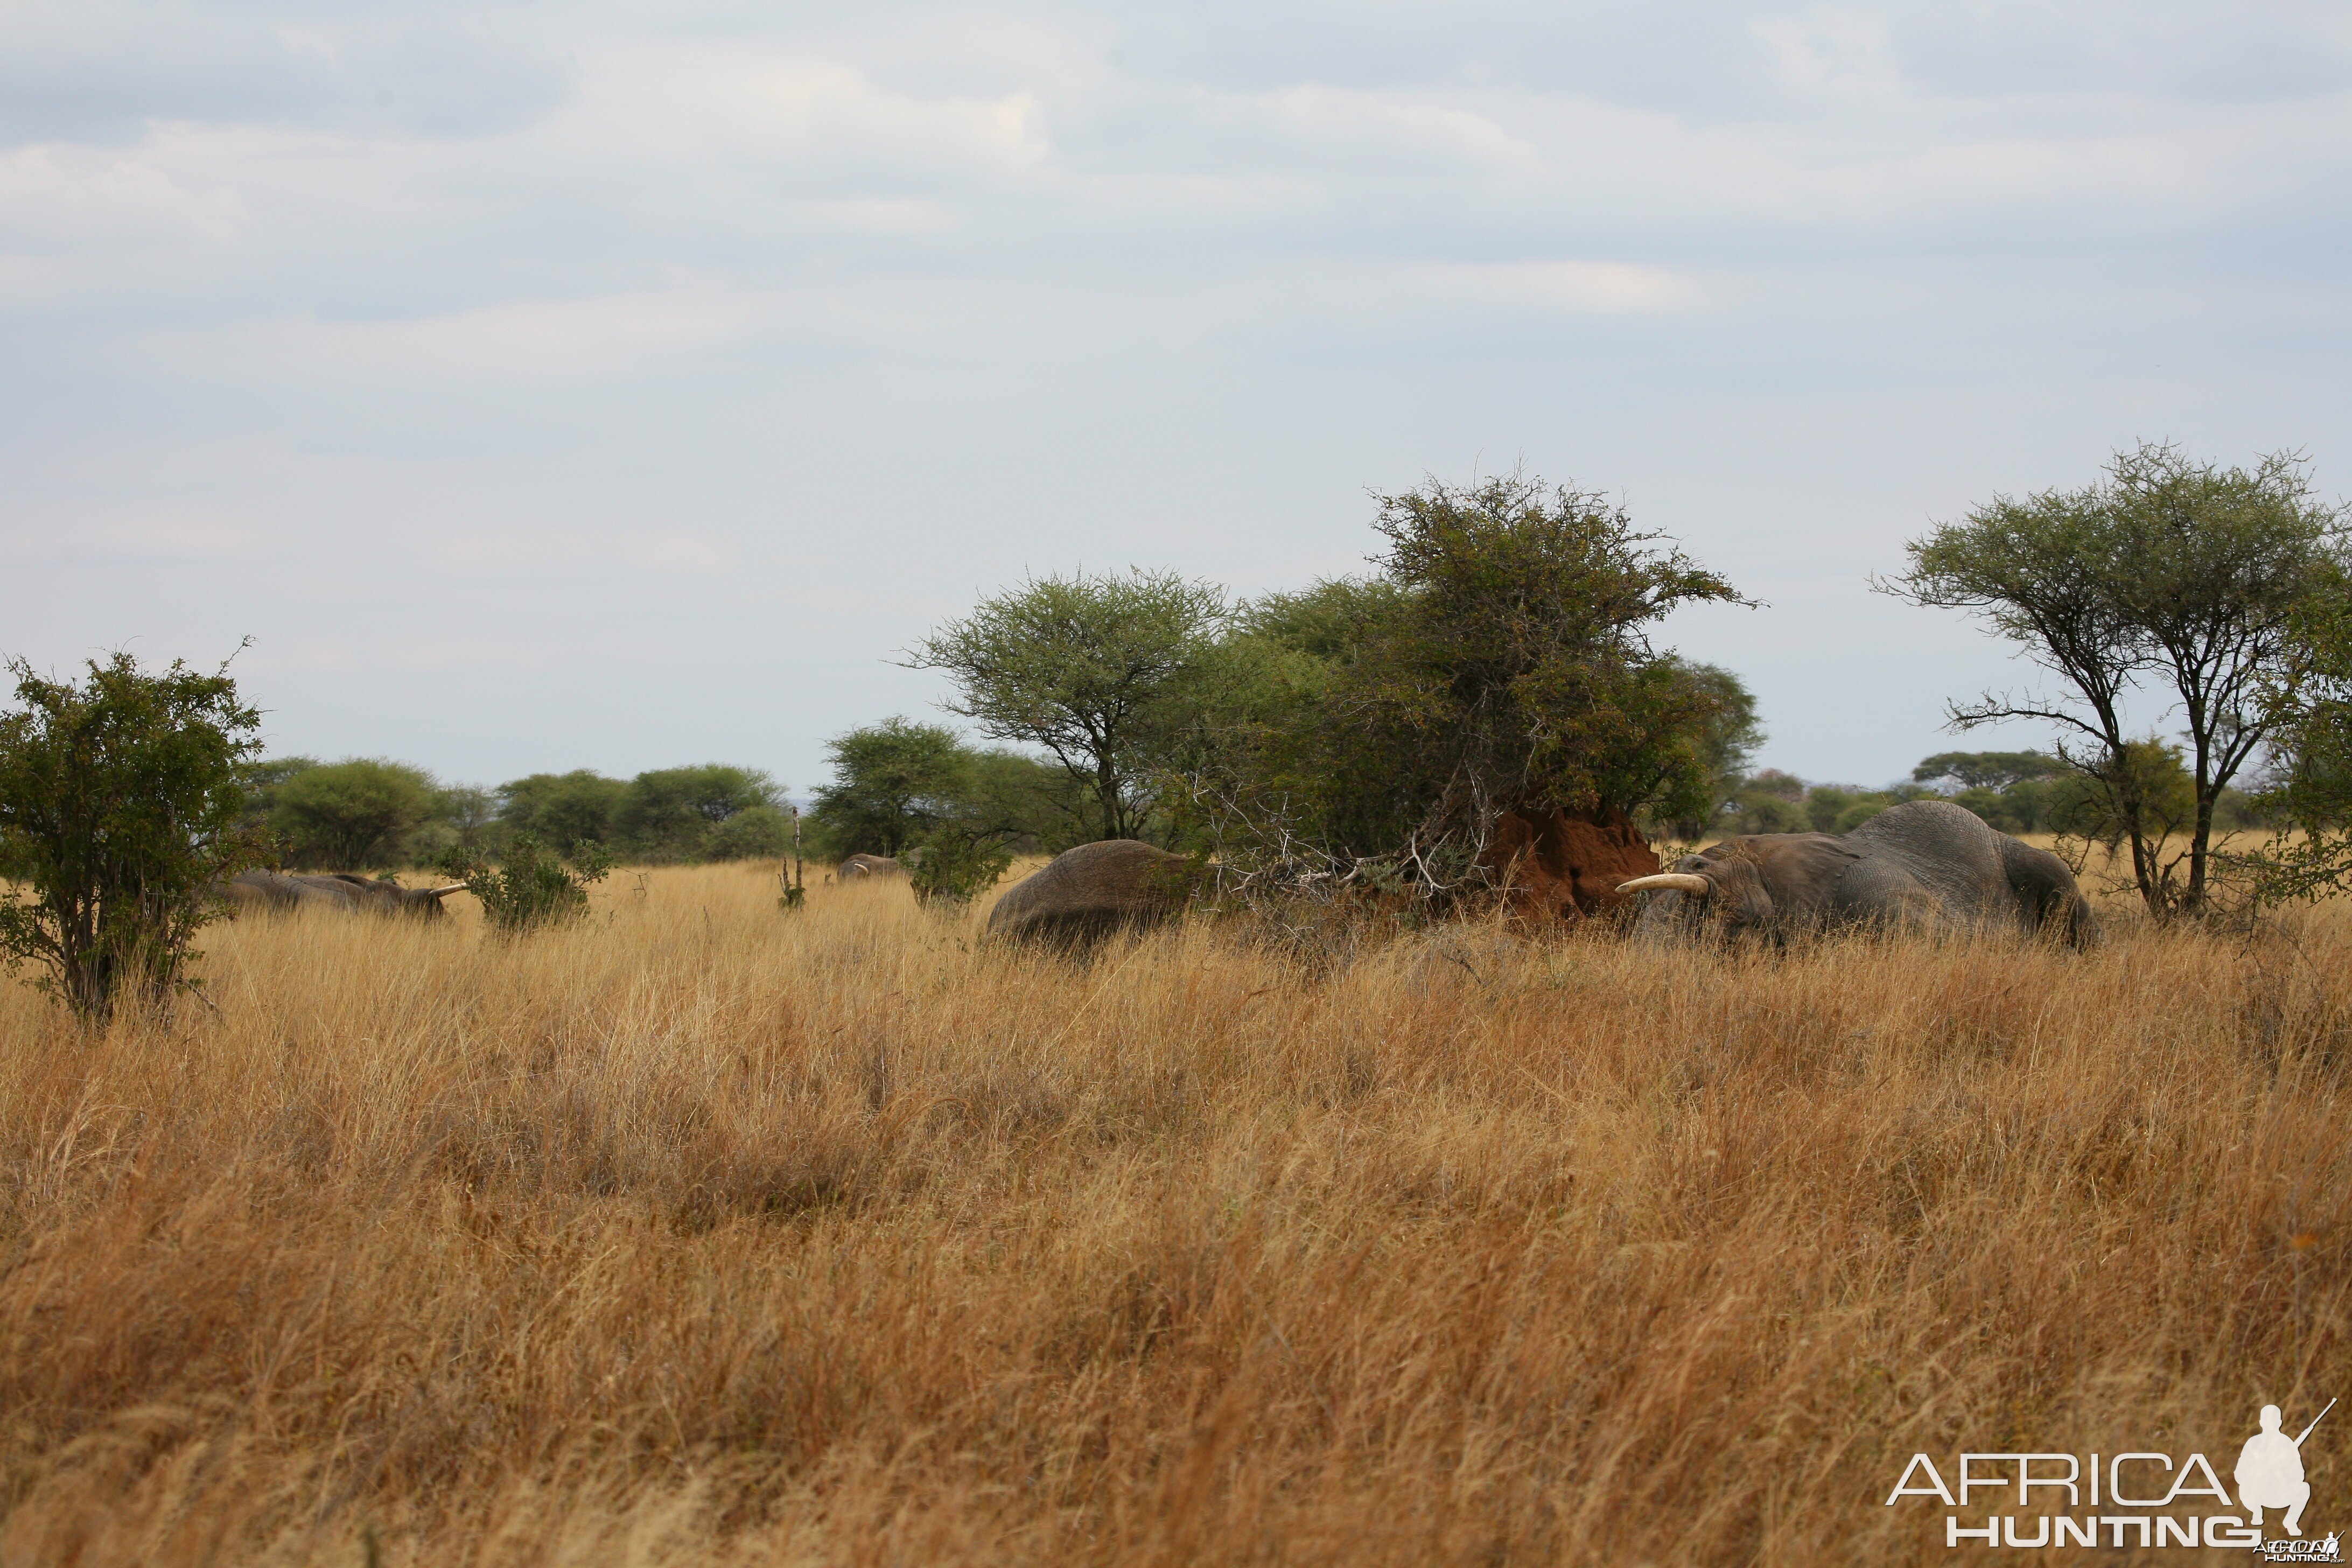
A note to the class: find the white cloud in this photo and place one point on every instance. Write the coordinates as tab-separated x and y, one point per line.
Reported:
1389	125
58	197
1607	287
523	341
642	105
672	317
1836	49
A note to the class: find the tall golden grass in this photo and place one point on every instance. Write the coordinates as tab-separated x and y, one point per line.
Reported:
709	1234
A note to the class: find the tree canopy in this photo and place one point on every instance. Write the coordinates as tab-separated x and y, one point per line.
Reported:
122	809
1094	671
351	815
565	810
680	814
1986	769
2307	703
1499	660
892	782
2166	573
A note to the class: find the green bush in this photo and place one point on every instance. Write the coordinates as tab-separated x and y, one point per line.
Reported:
531	885
2154	775
263	780
2308	703
1995	807
122	807
953	868
1770	801
1825	804
1859	812
1029	806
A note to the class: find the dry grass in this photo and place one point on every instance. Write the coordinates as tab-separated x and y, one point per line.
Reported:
711	1234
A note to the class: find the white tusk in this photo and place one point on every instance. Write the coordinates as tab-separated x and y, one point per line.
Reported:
1680	881
443	893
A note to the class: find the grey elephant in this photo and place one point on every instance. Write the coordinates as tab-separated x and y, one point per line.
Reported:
341	892
1923	865
1085	894
871	868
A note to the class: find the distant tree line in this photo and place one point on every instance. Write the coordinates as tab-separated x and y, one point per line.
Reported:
370	813
1496	658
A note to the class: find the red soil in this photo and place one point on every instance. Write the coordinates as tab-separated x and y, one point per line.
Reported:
1563	866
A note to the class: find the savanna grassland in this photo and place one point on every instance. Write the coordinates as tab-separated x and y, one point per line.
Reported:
707	1234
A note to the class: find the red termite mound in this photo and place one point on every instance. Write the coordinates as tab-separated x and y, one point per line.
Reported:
1563	865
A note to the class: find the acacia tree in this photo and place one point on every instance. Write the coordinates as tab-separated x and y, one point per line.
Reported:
2308	704
1986	769
2165	573
1094	671
1523	657
1501	659
1728	741
565	810
892	782
351	814
121	801
684	814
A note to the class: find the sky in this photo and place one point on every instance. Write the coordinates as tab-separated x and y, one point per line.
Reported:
624	385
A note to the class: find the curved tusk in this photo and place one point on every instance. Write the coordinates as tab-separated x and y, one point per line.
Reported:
443	893
1679	881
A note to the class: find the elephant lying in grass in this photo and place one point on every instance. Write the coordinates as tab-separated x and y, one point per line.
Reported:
1924	865
276	891
1087	893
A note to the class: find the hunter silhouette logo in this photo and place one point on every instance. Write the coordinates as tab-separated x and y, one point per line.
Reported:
2270	1471
2130	1498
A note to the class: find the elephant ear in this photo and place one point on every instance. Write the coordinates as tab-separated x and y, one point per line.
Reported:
1802	873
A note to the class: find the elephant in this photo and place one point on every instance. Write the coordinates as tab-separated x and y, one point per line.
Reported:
1085	894
871	868
1924	865
277	892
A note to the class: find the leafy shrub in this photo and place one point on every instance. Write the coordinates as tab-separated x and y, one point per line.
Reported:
531	885
2152	773
1500	659
121	802
2309	704
954	867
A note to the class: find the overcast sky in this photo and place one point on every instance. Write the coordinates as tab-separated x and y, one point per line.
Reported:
611	386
